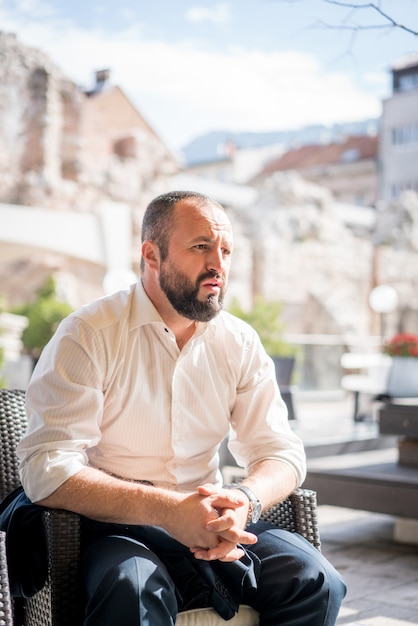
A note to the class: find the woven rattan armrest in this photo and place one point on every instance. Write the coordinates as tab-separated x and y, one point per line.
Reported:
298	514
6	610
59	603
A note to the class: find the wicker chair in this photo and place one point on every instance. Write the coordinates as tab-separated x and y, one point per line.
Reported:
58	603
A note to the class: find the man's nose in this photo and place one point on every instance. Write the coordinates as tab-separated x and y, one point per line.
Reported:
215	261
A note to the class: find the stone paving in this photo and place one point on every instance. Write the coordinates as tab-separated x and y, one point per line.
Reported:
381	574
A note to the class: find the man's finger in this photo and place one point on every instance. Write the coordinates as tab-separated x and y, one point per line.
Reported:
225	551
231	533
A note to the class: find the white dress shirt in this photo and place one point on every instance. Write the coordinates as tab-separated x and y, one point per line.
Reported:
113	390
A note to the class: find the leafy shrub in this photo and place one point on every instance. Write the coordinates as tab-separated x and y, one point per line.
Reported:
265	318
44	315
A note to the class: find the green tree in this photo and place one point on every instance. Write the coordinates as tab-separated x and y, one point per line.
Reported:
44	315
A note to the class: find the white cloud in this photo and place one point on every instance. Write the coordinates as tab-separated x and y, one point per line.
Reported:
218	14
246	90
377	79
183	90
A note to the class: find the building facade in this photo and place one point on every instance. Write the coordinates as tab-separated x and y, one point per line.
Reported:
398	154
347	168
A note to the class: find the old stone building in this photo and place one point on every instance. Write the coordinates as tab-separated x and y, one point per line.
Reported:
64	149
347	168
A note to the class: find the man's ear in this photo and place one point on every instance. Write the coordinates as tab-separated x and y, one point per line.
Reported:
151	254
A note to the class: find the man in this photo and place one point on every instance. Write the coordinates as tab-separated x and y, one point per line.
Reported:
128	406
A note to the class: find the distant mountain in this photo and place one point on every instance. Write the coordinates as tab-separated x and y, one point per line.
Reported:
214	146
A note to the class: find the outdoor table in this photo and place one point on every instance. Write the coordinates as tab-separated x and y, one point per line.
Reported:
381	481
401	418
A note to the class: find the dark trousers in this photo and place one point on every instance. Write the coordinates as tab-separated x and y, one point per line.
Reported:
140	576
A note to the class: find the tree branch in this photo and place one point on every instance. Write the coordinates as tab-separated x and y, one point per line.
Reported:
375	7
390	21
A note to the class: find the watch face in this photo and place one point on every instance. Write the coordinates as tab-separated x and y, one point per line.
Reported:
255	516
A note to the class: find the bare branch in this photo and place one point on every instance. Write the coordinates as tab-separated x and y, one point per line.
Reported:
391	23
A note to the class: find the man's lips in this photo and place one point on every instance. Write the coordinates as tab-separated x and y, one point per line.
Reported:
212	283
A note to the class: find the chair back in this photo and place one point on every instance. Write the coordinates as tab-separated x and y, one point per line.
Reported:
284	366
13	422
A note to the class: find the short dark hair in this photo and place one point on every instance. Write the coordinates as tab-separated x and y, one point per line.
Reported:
159	217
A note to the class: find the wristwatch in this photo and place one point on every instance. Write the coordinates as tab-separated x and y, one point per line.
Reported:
254	512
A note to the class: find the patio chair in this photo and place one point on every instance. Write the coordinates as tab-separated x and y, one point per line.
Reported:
59	602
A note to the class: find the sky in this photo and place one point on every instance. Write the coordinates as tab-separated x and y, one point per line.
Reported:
195	66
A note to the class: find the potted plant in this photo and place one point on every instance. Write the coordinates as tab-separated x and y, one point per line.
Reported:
403	374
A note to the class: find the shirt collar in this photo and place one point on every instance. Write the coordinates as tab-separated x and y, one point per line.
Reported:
143	311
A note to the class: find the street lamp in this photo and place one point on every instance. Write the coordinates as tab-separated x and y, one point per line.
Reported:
383	299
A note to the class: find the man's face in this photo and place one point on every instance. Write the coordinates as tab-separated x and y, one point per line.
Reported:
194	275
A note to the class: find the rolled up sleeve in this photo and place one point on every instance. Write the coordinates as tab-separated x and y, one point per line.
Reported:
260	425
55	445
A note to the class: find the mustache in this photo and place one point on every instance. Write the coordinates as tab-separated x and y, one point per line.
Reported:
210	274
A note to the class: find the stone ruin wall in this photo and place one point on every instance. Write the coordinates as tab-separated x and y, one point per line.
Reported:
63	150
305	256
23	114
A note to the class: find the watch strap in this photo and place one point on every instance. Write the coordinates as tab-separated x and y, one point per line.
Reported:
254	510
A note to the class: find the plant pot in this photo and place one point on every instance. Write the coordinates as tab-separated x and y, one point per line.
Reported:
403	377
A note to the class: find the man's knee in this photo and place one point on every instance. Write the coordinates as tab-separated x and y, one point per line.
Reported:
293	555
125	580
304	582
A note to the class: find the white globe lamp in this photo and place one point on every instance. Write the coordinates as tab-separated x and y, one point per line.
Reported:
383	299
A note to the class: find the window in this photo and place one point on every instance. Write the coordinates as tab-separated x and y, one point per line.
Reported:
398	188
408	82
404	135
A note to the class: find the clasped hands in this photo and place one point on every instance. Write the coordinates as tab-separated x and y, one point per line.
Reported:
224	527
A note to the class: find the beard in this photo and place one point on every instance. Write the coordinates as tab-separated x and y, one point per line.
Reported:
183	294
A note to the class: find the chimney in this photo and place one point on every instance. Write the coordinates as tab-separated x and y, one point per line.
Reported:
102	78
